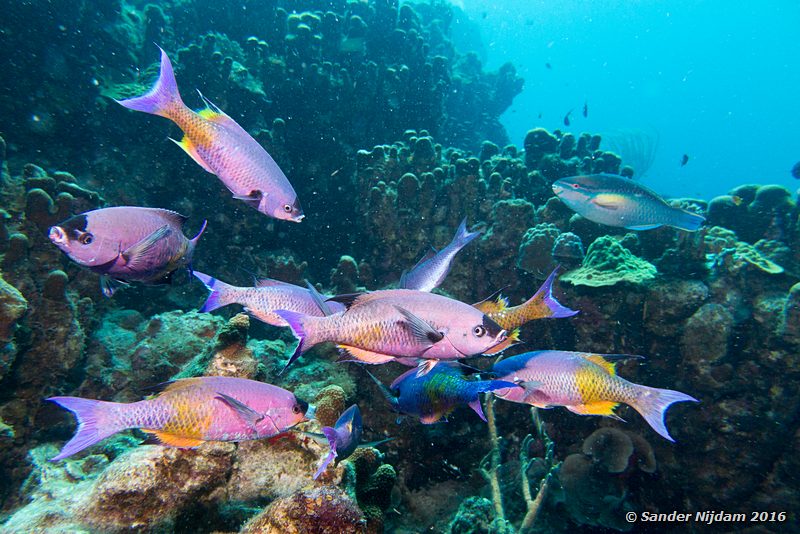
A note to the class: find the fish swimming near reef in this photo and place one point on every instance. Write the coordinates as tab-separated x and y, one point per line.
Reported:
188	412
616	201
566	117
585	384
684	159
398	325
344	438
126	244
435	395
585	109
432	269
220	146
541	305
267	296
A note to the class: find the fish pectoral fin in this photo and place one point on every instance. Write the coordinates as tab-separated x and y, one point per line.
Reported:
253	198
137	252
431	418
421	329
190	148
171	440
425	367
605	408
608	201
476	406
365	356
110	285
245	413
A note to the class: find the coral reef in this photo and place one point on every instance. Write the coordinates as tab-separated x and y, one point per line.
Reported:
608	262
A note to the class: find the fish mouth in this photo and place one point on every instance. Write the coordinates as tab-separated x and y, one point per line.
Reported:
557	188
57	235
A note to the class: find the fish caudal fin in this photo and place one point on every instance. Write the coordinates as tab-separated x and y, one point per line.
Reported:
163	97
92	425
463	236
652	404
686	220
546	303
295	322
330	433
221	293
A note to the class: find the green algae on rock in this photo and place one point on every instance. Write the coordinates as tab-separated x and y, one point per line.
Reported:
608	263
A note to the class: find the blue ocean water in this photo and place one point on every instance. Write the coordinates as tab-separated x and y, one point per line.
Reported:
717	81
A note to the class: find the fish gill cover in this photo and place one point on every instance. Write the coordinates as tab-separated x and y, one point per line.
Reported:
391	136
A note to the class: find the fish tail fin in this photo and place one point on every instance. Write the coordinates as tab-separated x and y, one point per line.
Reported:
196	238
163	97
221	294
295	321
93	426
652	404
386	392
464	236
330	433
686	220
544	305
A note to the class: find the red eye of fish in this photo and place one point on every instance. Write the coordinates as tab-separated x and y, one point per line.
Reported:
575	186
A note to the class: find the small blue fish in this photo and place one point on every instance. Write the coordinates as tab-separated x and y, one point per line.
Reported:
616	201
344	438
436	394
432	269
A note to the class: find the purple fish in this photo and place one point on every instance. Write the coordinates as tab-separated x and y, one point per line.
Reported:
126	244
344	438
432	269
222	147
435	395
585	384
189	412
267	296
398	325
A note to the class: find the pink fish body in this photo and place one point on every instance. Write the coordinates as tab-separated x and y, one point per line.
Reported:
189	412
584	383
218	144
126	243
262	300
382	326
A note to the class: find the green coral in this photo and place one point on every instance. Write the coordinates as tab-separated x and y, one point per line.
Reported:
370	481
608	263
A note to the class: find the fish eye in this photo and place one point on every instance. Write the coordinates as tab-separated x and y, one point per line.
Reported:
575	186
86	239
296	408
479	331
287	208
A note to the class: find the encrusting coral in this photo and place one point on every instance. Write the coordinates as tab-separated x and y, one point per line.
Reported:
607	262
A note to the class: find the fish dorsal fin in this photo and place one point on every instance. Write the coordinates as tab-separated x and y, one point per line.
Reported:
610	361
318	299
348	299
213	113
171	386
428	255
364	356
271	282
609	201
422	330
171	216
137	252
496	296
492	306
396	382
172	440
605	408
250	417
190	148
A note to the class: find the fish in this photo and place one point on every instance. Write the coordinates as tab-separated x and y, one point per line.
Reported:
616	201
264	298
126	244
219	145
188	412
684	159
540	306
343	438
436	395
397	325
566	117
585	109
585	384
431	270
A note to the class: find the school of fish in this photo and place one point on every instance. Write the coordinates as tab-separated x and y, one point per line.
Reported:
409	325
